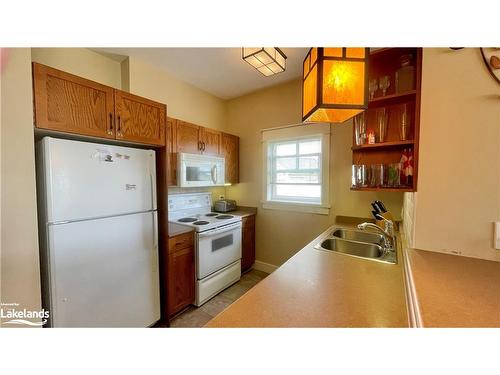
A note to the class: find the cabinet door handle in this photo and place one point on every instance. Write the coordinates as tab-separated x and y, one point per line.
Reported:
110	131
203	145
119	126
200	143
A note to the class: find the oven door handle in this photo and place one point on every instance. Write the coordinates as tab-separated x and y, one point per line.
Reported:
225	229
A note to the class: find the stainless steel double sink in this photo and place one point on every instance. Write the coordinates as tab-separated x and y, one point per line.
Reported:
359	244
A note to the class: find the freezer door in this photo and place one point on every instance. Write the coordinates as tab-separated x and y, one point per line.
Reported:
104	272
89	180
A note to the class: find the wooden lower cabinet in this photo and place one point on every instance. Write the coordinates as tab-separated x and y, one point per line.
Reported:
247	242
180	272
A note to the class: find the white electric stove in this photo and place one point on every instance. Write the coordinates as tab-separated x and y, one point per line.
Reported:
217	242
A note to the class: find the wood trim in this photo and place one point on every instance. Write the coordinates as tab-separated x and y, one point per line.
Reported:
162	206
418	87
265	267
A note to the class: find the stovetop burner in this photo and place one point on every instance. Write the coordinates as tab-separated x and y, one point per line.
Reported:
187	220
211	214
201	222
222	217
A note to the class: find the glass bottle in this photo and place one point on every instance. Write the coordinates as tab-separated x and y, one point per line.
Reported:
405	76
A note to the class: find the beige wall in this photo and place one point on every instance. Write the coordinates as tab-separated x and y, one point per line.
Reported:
82	62
281	234
183	100
458	195
20	278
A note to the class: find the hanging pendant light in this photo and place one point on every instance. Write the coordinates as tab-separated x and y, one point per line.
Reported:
267	60
334	87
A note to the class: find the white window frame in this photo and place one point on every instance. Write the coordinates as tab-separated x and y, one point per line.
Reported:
293	134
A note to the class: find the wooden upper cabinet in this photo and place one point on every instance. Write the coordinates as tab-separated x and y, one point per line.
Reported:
68	103
194	139
229	149
187	137
210	141
139	119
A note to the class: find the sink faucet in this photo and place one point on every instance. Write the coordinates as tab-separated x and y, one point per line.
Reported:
387	233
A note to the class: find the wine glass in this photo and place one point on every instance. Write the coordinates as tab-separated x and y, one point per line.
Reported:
384	84
404	122
372	87
382	118
360	128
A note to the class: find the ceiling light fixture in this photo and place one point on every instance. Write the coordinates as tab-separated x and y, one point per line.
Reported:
267	60
334	86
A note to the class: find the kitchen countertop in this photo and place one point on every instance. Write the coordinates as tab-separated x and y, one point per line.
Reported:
317	288
454	291
244	211
176	229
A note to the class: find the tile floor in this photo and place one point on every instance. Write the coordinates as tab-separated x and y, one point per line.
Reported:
195	317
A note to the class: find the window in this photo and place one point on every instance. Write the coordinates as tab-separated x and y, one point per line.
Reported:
297	171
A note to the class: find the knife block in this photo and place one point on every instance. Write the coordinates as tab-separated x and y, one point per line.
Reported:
387	215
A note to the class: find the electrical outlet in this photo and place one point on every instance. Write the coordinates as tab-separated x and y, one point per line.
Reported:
496	235
221	197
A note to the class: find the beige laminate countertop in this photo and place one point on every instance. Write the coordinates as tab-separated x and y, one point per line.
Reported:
318	288
241	213
176	229
454	291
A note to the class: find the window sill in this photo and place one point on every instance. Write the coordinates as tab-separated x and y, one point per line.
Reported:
296	207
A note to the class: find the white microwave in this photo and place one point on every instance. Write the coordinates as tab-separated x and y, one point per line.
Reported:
195	170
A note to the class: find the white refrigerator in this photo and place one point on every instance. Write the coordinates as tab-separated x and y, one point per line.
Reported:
98	234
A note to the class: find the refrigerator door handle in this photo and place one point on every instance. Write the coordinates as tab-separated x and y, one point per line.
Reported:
151	181
155	231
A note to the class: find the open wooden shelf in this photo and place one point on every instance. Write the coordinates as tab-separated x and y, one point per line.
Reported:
386	62
393	98
383	145
391	189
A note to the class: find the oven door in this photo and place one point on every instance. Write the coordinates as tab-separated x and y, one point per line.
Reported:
217	248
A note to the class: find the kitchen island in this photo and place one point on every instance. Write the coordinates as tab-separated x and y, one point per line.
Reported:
317	288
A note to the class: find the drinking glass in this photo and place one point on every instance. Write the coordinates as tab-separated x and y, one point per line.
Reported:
376	175
393	175
360	128
360	176
382	117
404	122
384	84
372	87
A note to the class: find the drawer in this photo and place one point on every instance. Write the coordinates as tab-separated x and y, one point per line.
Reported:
180	242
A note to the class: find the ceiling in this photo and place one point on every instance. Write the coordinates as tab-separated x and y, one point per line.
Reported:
219	71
